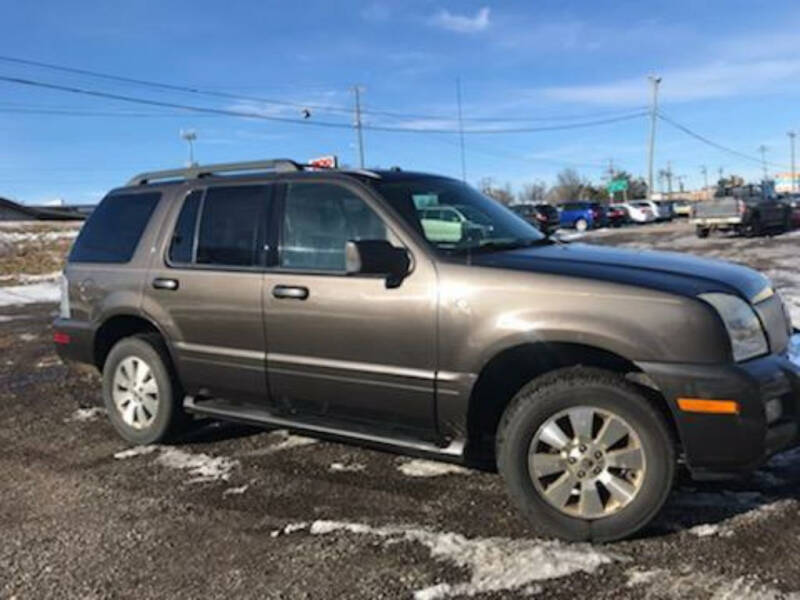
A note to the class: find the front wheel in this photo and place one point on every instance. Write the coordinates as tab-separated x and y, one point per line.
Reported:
142	395
581	225
585	456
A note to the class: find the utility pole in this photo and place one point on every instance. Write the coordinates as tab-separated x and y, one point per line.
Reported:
792	135
359	132
720	171
704	172
189	135
669	180
763	149
654	81
461	132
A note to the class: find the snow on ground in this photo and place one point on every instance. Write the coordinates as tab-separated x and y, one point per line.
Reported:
285	441
689	583
418	467
16	237
494	564
86	415
201	467
47	291
728	527
350	467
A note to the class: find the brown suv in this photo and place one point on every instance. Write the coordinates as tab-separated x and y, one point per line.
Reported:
344	304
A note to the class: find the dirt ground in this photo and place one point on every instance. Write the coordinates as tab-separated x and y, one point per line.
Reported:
237	512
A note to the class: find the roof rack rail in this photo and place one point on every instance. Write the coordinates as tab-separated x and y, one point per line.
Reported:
198	171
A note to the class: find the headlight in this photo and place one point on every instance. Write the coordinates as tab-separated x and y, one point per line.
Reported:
743	325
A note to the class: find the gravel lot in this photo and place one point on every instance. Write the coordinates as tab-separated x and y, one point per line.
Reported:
233	511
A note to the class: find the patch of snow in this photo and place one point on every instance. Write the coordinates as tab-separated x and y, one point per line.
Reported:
49	291
662	583
287	442
495	564
339	467
15	237
136	451
790	458
27	337
9	318
429	468
705	530
289	528
236	491
201	467
85	415
48	361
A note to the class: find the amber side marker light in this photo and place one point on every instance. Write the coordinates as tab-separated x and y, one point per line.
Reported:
713	407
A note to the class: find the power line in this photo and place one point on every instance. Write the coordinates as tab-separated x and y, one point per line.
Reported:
297	105
312	122
716	145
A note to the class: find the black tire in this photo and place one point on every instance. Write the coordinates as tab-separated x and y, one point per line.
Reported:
170	418
702	232
544	397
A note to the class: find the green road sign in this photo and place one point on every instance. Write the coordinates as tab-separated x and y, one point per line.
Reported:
617	185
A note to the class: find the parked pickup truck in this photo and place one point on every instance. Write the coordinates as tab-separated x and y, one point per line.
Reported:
748	210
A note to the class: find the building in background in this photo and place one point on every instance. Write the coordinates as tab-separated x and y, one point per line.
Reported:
783	182
14	211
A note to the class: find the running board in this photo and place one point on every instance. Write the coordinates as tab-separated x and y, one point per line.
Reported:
453	452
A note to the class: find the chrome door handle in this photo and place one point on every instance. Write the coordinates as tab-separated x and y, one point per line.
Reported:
163	283
290	292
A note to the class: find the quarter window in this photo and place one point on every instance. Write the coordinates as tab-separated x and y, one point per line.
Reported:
319	219
113	230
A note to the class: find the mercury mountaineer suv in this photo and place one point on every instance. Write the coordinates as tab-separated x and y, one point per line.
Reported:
275	294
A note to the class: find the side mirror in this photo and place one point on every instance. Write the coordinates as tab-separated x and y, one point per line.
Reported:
377	257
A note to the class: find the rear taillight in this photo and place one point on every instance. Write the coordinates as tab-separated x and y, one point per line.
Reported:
64	311
741	206
60	337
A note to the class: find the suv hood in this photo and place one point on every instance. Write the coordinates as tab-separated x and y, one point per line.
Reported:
664	271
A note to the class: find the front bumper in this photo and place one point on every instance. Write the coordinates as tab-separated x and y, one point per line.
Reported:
725	445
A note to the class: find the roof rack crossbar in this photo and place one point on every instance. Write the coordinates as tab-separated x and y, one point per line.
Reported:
198	171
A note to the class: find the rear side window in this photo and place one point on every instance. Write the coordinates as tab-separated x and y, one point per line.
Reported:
113	230
181	248
232	226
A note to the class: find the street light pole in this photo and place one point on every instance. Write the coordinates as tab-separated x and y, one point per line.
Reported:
704	171
190	135
654	81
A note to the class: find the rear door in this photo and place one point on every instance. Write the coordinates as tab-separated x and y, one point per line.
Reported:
205	289
347	348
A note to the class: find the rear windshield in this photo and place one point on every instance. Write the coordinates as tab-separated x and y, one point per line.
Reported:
113	230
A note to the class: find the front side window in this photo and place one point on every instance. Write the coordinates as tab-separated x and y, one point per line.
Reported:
466	219
113	230
319	219
232	226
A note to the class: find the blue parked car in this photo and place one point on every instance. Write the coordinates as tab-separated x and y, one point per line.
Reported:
581	215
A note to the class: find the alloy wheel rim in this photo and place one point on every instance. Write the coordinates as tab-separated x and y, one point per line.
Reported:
587	462
135	392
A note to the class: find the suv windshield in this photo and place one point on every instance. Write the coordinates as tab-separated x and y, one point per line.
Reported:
485	224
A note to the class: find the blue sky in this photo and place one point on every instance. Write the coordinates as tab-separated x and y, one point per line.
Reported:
731	72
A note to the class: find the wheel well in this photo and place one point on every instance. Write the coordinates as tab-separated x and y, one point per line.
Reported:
113	330
506	373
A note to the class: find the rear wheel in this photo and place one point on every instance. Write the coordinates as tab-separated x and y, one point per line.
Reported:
702	232
585	456
581	225
142	395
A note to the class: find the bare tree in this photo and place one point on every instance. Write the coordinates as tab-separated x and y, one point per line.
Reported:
569	186
533	193
503	194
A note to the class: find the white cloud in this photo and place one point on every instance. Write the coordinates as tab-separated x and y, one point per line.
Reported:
461	23
720	79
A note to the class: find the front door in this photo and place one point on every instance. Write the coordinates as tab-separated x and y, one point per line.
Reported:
205	288
346	347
